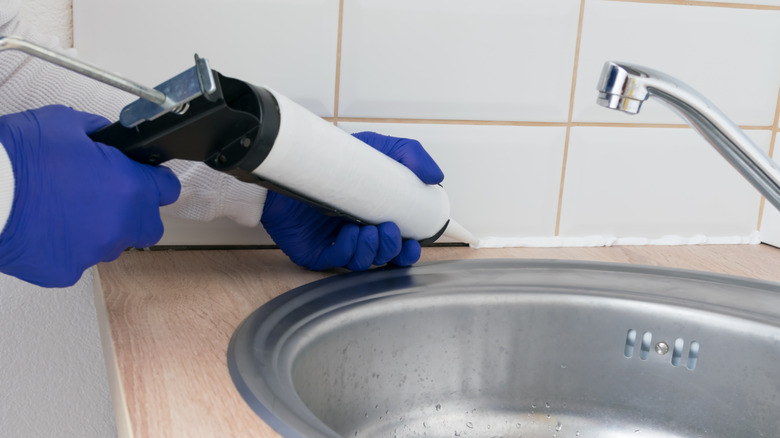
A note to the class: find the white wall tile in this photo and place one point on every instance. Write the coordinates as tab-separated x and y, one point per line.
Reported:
729	55
287	45
501	180
654	182
458	59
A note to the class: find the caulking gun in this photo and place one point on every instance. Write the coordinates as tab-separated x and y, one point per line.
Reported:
262	137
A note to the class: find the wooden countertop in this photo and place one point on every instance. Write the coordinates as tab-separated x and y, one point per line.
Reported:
166	318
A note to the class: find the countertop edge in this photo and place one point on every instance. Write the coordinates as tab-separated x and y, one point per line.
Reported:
116	389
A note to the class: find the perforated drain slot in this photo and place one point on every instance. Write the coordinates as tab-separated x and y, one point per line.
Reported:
630	343
677	352
693	355
662	348
647	339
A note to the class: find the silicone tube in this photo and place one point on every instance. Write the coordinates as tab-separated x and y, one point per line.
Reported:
322	162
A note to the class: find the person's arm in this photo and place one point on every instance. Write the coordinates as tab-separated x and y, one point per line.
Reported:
27	82
66	202
75	202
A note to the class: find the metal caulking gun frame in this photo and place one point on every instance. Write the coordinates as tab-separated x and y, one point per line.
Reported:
252	132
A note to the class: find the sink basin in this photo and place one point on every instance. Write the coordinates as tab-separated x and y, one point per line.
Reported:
515	348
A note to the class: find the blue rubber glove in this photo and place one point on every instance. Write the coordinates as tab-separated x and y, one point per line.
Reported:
319	242
76	202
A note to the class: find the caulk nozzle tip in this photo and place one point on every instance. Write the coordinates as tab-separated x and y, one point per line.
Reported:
456	232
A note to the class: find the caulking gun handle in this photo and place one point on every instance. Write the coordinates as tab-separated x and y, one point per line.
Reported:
207	130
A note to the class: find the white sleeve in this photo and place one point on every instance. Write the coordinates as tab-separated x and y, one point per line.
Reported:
6	187
207	194
27	82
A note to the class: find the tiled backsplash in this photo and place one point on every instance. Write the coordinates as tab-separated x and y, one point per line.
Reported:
463	60
502	93
508	176
730	55
654	182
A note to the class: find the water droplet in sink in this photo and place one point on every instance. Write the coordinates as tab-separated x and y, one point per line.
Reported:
559	427
470	425
547	405
438	407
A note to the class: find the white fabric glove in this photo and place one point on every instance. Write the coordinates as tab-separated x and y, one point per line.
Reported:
207	194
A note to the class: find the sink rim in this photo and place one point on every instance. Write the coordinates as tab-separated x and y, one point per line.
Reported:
285	415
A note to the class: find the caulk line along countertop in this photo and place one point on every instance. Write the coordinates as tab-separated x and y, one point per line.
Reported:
166	318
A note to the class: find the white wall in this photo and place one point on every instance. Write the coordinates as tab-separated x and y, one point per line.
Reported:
503	95
52	373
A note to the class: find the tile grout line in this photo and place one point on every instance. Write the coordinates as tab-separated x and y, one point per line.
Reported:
335	118
569	118
445	121
528	123
772	144
709	4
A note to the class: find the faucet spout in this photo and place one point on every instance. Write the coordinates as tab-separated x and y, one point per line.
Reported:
625	87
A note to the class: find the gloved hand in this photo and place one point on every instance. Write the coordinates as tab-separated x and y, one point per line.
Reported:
76	202
319	242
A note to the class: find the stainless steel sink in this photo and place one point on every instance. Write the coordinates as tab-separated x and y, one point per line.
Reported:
516	348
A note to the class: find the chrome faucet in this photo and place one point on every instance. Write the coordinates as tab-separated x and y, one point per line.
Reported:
625	86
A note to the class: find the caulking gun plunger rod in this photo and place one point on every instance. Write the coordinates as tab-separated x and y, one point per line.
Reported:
144	92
